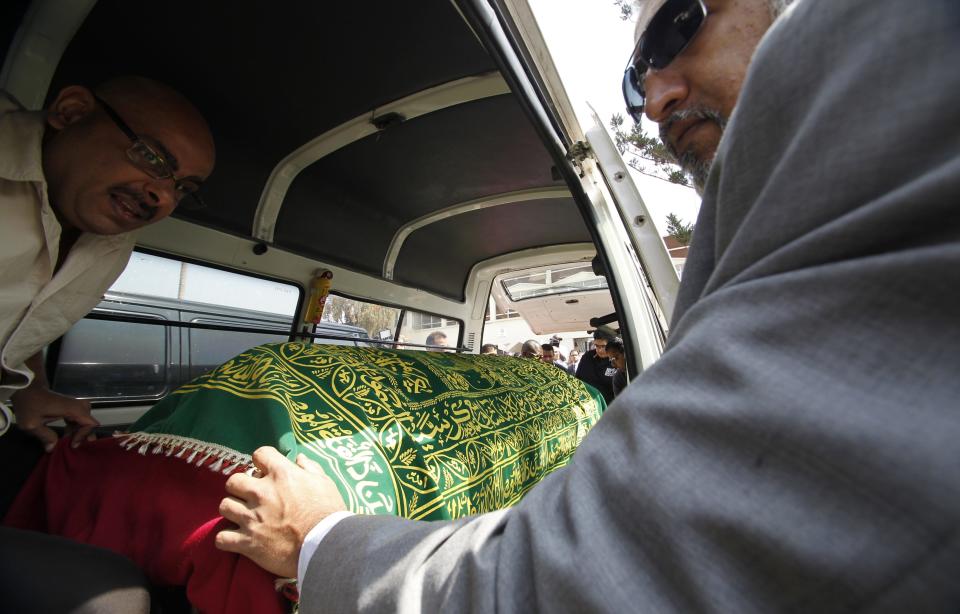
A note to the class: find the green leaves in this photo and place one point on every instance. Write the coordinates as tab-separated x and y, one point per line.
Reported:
644	153
626	8
679	230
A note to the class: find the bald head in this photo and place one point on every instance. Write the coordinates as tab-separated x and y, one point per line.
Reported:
145	101
97	146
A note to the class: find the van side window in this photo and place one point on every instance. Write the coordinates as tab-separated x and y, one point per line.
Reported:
380	321
208	349
418	326
120	359
403	326
117	360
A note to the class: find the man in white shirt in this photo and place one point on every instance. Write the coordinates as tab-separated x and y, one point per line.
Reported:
76	183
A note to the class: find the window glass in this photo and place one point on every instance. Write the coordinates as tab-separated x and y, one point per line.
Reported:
161	277
108	360
208	349
418	327
341	334
557	280
379	321
421	321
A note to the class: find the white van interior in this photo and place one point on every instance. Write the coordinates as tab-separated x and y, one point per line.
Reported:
425	153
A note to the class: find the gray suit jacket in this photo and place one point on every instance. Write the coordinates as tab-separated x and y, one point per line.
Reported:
797	447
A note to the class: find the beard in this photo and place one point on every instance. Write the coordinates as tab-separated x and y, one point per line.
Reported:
696	167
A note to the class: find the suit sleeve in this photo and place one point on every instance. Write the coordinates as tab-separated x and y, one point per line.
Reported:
795	448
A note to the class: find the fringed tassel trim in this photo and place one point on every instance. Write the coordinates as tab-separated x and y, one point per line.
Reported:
200	453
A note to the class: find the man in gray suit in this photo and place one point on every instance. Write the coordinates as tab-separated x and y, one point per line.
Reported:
796	447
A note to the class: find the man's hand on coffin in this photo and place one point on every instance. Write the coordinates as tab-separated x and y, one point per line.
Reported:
274	512
37	406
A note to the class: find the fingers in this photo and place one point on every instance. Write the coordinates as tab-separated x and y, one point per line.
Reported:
235	510
39	407
268	460
244	487
80	423
78	410
46	435
233	540
81	434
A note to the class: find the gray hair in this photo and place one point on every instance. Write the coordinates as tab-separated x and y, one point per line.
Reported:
777	7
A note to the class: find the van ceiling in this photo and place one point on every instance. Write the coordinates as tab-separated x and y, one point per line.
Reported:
271	77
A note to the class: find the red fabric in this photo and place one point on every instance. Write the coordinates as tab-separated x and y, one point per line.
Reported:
159	511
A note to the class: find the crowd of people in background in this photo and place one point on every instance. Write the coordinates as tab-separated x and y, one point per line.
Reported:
603	365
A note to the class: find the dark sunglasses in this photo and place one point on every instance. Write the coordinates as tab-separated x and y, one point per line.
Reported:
670	31
149	160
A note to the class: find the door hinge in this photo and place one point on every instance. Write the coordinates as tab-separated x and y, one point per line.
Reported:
577	153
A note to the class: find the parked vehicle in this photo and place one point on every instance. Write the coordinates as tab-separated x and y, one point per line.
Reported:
110	360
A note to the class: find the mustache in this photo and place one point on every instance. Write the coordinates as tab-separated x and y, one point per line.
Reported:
702	113
147	211
695	167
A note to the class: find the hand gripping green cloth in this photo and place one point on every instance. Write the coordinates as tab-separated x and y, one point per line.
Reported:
423	435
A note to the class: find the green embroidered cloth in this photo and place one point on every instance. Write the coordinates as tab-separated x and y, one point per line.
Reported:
423	435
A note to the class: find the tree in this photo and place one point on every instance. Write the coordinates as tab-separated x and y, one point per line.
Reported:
677	229
368	316
645	154
626	8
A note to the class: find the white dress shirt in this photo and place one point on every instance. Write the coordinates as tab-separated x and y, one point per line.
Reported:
36	305
313	539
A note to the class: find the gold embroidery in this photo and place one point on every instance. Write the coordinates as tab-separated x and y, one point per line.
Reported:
418	434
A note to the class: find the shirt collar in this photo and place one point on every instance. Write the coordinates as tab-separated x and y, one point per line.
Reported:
21	136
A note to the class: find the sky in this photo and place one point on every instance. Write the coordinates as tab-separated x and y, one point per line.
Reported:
590	45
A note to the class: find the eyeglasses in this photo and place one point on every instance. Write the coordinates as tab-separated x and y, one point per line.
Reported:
668	34
153	163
